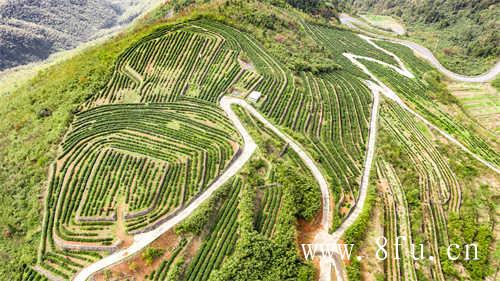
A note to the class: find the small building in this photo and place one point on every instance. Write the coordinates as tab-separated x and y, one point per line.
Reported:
254	96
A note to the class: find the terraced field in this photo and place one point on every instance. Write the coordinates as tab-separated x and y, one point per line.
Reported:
186	62
146	145
271	204
154	138
328	113
421	93
480	101
397	223
131	165
166	266
439	187
422	208
224	232
127	164
221	240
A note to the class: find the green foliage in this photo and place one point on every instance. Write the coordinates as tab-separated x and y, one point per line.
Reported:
166	267
278	30
198	220
305	193
463	33
256	167
28	274
439	90
354	270
246	215
496	83
420	275
316	66
465	229
175	272
150	254
316	7
258	258
356	232
28	143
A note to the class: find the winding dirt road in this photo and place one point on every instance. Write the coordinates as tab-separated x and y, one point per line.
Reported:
423	52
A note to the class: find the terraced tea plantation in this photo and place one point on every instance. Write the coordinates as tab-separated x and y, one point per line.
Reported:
222	238
265	189
422	93
126	164
329	113
168	64
124	168
438	188
430	192
155	140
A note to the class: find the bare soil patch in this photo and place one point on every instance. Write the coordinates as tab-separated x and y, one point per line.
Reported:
123	270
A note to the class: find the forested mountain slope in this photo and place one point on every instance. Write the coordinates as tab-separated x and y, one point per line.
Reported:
31	30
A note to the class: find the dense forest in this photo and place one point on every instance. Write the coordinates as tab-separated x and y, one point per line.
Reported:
318	7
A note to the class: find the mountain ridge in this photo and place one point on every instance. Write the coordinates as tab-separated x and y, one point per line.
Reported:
31	31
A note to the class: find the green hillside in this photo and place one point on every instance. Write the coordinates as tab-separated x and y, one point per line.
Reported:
122	137
462	33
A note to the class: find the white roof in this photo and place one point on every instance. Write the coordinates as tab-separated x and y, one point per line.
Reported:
254	96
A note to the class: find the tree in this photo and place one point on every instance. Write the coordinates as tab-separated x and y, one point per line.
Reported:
150	254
